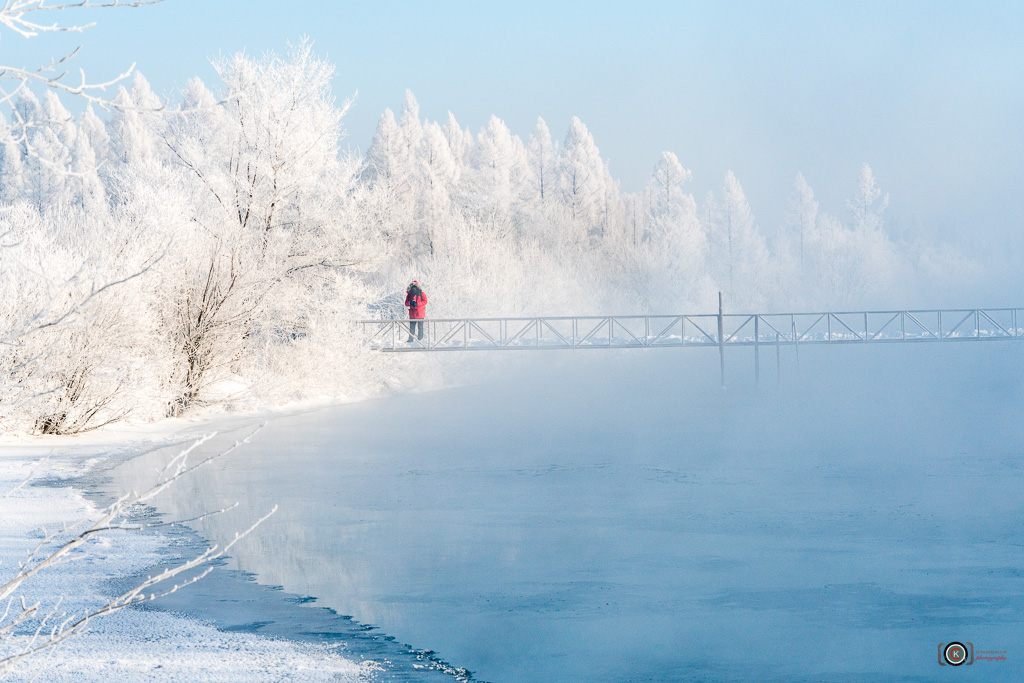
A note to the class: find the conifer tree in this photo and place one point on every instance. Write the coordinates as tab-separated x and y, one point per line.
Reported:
582	179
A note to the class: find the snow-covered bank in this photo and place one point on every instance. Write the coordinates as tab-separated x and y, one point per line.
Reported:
130	644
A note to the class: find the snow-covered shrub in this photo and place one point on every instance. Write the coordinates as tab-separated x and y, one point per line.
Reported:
79	347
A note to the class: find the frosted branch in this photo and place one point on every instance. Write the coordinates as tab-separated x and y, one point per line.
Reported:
13	14
112	518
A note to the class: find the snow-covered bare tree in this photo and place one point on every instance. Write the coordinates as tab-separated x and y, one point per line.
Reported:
263	188
76	350
61	325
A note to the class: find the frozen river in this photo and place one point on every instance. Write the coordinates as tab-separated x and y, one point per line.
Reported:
618	517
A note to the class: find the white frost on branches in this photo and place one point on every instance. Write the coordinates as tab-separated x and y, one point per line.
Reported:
24	17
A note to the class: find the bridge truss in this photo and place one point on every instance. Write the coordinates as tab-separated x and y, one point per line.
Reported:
721	330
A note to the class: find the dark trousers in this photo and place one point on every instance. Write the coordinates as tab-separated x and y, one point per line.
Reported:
415	328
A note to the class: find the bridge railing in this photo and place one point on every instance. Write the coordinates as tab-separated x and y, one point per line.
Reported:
731	329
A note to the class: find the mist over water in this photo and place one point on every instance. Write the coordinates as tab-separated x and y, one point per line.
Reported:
616	515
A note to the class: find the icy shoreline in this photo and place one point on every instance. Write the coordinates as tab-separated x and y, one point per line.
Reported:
132	643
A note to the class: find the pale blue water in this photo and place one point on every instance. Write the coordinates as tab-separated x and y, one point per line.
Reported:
618	517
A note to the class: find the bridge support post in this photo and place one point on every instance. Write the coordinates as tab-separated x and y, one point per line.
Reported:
778	360
796	346
721	342
757	351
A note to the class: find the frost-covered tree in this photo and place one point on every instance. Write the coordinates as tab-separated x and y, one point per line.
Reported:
839	275
440	174
386	157
438	165
263	187
738	252
75	356
664	259
848	266
582	180
542	160
65	362
410	128
135	127
46	155
791	262
665	186
498	159
802	215
390	173
95	131
459	141
672	212
12	167
84	187
868	206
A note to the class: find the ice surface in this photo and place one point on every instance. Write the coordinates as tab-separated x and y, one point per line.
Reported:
619	517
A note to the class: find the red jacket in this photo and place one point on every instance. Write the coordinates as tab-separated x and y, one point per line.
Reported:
417	305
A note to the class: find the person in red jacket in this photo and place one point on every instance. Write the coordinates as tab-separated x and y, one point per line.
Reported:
416	302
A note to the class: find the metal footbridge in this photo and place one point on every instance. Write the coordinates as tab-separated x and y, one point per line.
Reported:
702	330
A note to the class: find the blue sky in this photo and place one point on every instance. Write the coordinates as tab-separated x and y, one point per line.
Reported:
931	94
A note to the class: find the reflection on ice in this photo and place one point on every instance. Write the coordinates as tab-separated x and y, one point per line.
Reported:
618	517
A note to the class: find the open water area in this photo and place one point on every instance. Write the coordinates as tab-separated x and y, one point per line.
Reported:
617	516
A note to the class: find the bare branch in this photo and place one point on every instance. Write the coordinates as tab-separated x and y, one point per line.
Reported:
13	13
16	16
150	589
30	477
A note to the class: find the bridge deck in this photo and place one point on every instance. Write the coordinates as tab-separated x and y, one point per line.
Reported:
731	329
